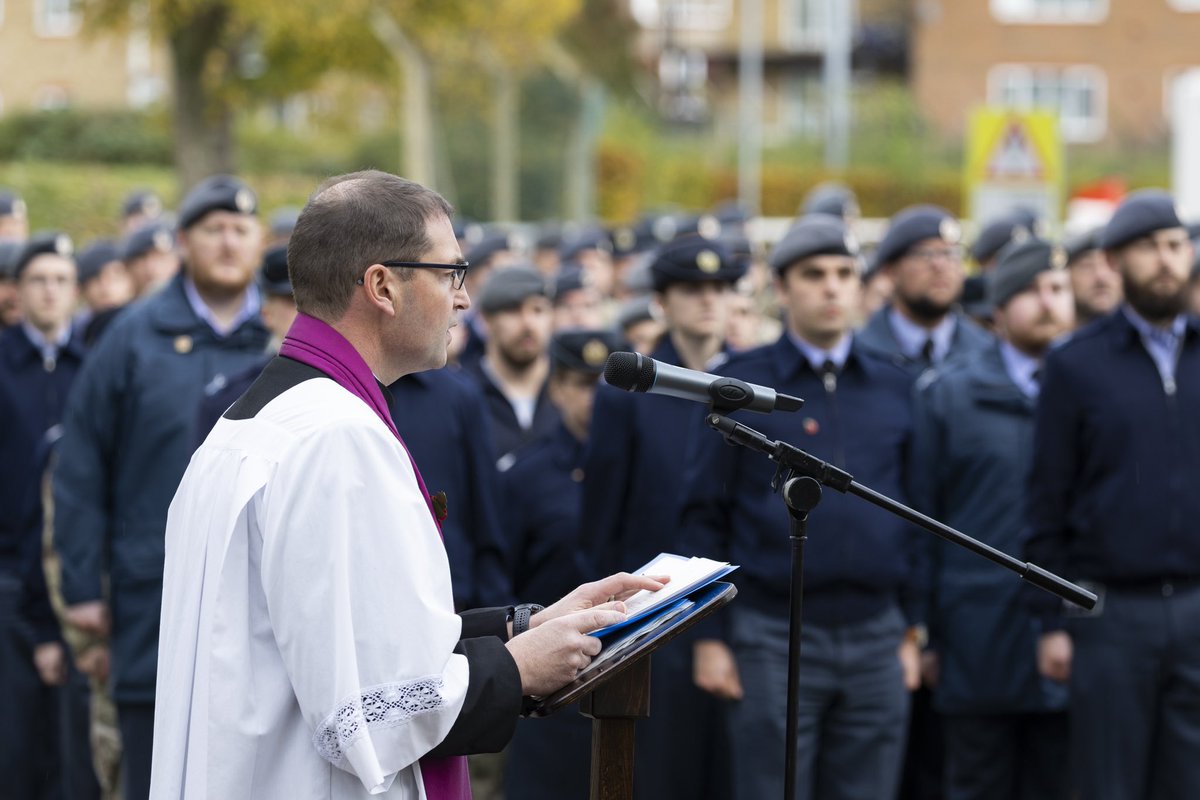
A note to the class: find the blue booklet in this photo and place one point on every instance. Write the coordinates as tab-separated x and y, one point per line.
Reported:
687	575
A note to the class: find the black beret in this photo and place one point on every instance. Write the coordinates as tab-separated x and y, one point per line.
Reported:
915	224
41	243
583	349
633	311
283	221
813	235
1140	214
974	297
94	256
489	244
549	236
216	193
466	229
11	204
508	287
705	225
141	201
694	258
273	275
731	212
569	278
1083	243
10	249
639	237
830	198
1016	227
153	235
740	248
1018	264
588	239
638	278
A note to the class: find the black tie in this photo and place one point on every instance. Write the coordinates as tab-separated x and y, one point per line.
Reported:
927	351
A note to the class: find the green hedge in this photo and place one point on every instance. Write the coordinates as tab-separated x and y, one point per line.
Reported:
112	137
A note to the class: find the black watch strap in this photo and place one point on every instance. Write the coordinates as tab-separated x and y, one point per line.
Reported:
521	615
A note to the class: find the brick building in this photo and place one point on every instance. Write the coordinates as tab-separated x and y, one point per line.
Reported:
1105	65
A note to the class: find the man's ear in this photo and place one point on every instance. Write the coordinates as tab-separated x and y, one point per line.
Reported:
382	292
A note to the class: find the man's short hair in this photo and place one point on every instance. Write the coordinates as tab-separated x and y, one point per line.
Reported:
351	222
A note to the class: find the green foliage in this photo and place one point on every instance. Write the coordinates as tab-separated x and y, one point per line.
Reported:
115	137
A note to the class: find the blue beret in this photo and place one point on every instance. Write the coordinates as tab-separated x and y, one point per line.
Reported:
10	249
1083	243
153	235
41	243
813	235
583	349
549	237
508	287
273	275
216	193
1013	227
694	258
11	204
94	256
731	212
1018	264
588	239
141	201
570	278
1140	214
915	224
740	248
830	198
489	244
633	311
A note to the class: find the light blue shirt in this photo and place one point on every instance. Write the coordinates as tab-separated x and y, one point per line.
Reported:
1022	368
817	357
1162	344
912	337
49	349
249	308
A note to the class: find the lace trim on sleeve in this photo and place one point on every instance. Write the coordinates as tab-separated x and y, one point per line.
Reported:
383	706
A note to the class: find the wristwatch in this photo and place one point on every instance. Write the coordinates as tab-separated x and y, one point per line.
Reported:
521	615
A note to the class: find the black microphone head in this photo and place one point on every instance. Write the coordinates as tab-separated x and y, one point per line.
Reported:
632	372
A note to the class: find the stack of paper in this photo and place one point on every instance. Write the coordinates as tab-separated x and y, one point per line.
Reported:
686	574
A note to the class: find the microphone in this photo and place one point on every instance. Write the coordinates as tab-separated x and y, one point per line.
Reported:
635	372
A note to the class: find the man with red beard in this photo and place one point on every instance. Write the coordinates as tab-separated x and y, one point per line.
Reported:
1113	505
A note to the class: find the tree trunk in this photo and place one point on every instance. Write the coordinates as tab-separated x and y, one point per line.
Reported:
417	114
203	121
505	145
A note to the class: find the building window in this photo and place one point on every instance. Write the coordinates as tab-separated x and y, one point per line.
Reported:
804	23
801	106
684	15
1184	5
56	18
51	97
1050	12
1079	94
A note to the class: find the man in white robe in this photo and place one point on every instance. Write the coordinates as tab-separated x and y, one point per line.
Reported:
309	647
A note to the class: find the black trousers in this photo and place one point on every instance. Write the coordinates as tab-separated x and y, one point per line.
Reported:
1007	757
136	721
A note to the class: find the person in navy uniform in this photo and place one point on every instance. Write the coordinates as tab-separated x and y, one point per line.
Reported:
39	360
543	492
128	435
921	326
859	657
150	256
14	216
1016	225
514	305
635	461
1006	724
493	250
1094	279
104	285
1113	505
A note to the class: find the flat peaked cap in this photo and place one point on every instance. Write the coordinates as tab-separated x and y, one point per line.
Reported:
273	274
694	258
94	256
509	287
1140	214
915	224
152	236
216	193
813	235
43	243
1018	264
583	349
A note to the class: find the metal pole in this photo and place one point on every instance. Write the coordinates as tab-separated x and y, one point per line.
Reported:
750	102
836	78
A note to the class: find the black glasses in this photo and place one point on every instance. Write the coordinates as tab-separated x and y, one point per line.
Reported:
457	279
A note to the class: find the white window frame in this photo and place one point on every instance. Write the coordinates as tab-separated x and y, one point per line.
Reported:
1073	130
1035	12
794	37
1185	6
63	24
684	15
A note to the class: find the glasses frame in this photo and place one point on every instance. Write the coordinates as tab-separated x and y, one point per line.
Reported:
459	269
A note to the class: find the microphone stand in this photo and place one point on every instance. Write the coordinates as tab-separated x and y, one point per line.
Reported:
801	476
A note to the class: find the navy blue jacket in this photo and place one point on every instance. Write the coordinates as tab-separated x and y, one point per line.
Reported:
441	416
220	396
507	433
38	392
637	446
1113	491
543	493
859	560
878	338
129	432
972	449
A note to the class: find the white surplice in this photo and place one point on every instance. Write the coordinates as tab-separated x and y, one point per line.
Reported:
308	626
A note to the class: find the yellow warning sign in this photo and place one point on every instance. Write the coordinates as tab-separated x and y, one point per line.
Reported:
1013	158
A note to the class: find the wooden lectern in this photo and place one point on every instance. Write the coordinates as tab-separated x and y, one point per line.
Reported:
617	694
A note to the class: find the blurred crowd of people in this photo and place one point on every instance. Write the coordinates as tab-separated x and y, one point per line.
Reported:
1034	393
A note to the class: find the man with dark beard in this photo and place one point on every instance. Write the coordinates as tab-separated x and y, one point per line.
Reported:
1113	505
921	327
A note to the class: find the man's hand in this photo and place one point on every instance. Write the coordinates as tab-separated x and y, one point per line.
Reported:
50	660
90	617
714	669
94	662
602	594
931	668
551	655
909	653
1054	655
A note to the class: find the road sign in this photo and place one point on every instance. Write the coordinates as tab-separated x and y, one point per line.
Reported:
1013	158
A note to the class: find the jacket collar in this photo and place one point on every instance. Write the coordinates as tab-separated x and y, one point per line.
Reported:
172	314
